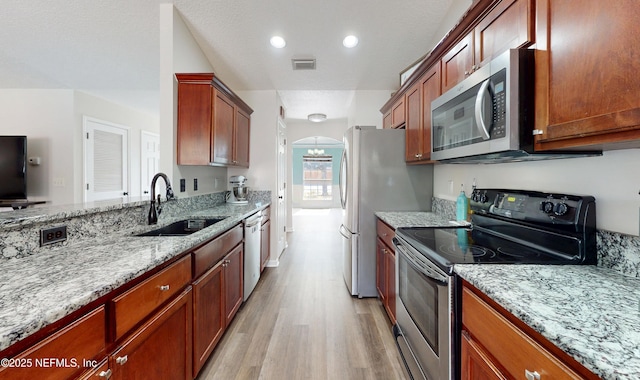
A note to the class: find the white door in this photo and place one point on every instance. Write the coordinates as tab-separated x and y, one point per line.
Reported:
149	159
281	225
106	160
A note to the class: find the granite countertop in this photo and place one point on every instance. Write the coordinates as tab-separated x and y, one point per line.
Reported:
397	219
591	313
40	289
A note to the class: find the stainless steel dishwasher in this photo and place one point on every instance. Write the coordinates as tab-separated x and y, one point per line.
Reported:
251	253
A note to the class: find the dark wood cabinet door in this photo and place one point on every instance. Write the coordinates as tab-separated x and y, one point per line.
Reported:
431	89
241	141
509	25
233	281
386	120
265	244
475	363
587	81
398	114
390	274
161	348
413	125
381	278
457	63
223	126
195	95
208	315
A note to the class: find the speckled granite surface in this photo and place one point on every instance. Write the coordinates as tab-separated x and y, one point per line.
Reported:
39	289
591	313
412	219
619	252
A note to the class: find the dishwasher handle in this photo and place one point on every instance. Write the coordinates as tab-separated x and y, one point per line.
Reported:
252	221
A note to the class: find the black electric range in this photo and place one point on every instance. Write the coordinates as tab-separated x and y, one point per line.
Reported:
513	227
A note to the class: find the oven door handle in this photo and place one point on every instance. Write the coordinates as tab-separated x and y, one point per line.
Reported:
419	267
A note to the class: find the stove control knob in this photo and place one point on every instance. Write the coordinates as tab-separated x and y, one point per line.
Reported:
483	197
547	207
561	209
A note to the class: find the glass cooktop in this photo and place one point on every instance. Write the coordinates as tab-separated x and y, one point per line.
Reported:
458	245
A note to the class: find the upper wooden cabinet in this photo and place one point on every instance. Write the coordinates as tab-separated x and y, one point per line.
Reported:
418	125
213	123
509	25
587	81
395	117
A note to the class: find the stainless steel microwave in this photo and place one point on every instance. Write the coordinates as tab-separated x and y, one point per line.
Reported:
490	112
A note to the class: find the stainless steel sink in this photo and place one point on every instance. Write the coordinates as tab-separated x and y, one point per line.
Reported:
183	227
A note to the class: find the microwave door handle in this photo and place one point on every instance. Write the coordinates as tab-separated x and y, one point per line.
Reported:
480	117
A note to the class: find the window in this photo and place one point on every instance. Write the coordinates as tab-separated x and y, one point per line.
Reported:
317	175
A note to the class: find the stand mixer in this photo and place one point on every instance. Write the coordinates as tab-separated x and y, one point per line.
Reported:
239	192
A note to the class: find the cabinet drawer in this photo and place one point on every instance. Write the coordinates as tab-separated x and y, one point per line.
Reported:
134	305
62	354
510	346
385	233
211	253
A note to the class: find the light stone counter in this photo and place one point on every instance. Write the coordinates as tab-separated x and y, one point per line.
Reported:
412	219
591	313
42	288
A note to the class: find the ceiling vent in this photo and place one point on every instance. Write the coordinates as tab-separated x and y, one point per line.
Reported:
303	64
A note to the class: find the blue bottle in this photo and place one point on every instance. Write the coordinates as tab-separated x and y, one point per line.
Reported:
462	206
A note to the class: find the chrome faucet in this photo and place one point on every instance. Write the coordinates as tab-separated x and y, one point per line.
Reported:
154	211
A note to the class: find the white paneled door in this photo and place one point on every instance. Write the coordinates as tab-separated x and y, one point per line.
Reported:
149	159
106	160
281	211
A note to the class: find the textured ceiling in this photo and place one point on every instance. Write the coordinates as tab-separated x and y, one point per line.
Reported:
111	48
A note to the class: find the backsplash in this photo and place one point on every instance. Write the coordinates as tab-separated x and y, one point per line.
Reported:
20	230
616	251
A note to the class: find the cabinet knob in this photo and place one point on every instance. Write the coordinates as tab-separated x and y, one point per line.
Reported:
531	375
164	288
105	374
122	359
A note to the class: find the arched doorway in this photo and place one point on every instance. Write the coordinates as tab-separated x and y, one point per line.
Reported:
315	169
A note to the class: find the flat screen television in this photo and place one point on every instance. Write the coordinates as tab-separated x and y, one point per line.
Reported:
13	168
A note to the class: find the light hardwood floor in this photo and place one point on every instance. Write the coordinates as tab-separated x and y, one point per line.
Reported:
301	323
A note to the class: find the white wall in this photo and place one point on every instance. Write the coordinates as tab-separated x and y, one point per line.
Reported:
613	179
365	107
46	118
52	121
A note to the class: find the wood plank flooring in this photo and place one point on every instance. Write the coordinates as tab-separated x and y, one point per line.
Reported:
301	323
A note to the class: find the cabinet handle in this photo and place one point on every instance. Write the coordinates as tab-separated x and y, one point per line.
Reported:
531	375
122	359
105	374
164	288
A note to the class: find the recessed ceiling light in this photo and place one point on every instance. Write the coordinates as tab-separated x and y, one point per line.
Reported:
317	117
350	41
278	42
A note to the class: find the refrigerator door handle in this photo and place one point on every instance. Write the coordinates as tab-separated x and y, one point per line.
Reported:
343	180
344	232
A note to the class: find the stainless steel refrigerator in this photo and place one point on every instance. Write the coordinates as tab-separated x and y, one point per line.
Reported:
374	177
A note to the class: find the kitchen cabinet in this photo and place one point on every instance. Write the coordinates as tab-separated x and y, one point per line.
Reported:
395	116
587	81
52	358
209	293
265	238
509	25
133	306
233	282
496	345
418	124
386	269
213	123
161	347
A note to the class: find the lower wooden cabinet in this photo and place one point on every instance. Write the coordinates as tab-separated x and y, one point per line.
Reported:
265	244
161	348
386	269
62	355
233	276
493	347
209	320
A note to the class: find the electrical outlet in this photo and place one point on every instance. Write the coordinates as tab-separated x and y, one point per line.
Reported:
53	235
195	184
215	183
183	185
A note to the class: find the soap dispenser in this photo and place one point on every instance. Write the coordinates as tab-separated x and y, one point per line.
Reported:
462	206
